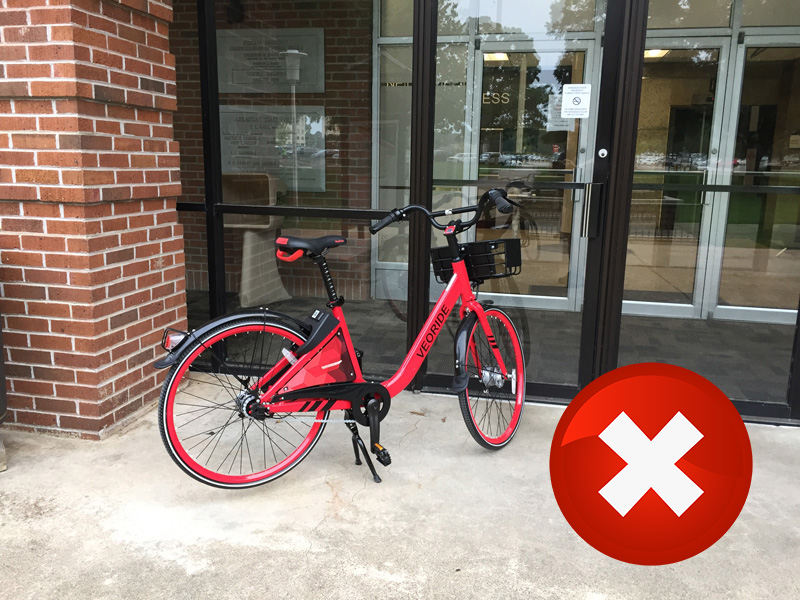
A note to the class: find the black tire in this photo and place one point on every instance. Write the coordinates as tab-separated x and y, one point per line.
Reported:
204	422
492	407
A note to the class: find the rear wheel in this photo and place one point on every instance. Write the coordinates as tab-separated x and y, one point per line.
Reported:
492	404
207	412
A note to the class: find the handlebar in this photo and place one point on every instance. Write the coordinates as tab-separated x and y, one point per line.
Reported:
495	195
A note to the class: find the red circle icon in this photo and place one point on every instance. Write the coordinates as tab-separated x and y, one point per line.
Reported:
651	464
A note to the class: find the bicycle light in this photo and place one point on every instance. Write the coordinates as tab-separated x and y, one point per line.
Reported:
172	339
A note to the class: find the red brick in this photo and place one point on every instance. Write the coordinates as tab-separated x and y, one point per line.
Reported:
48	309
37	176
9	52
24	291
45	276
85	424
24	35
51	342
33	141
35	418
36	357
27	71
56	406
24	259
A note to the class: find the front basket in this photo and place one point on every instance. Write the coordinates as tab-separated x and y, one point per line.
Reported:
490	259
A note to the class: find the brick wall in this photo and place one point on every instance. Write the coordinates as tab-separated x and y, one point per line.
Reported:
347	100
92	255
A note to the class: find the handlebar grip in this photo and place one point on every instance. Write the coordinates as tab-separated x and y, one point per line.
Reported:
393	216
500	200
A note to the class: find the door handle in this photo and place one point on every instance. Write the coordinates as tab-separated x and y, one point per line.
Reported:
589	217
587	201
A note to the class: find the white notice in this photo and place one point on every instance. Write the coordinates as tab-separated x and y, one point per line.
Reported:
576	101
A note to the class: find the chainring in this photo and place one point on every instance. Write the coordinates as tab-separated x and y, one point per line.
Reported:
360	410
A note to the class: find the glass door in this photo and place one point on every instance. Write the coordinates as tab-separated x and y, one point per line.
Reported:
756	274
677	157
524	145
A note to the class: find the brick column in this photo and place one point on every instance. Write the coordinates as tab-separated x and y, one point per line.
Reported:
92	255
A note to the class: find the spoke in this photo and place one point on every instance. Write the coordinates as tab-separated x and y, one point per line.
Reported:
184	393
271	445
247	443
208	410
217	436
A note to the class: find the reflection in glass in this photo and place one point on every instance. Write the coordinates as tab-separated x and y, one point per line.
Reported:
535	16
761	261
680	14
291	109
397	18
672	147
450	131
257	278
764	13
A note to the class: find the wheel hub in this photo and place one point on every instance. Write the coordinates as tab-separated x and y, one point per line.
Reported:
250	406
492	376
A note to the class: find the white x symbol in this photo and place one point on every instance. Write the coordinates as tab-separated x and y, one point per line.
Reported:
651	464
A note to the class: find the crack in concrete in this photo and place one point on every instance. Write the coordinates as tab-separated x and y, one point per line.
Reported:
400	443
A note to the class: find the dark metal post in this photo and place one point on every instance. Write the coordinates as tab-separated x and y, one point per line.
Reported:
212	163
793	393
423	90
620	90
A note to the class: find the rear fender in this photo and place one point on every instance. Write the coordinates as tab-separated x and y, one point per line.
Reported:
264	314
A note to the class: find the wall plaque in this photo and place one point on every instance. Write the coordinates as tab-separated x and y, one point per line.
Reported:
260	139
250	60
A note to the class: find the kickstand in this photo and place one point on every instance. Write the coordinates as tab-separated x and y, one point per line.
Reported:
358	443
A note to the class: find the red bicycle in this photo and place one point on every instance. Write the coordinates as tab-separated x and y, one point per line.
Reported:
249	394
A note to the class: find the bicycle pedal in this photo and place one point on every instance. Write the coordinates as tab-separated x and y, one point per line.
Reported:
381	455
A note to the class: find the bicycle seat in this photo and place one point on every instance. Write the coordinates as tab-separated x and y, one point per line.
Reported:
314	246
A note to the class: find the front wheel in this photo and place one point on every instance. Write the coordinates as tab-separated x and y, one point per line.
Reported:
492	404
207	413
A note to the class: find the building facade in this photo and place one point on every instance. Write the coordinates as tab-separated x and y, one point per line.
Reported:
152	153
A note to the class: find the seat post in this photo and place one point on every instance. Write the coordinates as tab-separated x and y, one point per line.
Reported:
333	297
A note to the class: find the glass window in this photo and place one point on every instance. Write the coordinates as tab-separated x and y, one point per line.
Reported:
682	14
255	277
295	92
763	13
397	19
535	16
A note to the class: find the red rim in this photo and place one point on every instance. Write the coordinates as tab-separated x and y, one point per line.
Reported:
520	393
214	476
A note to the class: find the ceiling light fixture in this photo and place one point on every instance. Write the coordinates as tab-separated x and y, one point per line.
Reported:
655	53
495	57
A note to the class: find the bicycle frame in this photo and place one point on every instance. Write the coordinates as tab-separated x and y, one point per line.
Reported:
295	377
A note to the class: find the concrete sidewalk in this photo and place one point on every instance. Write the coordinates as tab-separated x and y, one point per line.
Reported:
117	519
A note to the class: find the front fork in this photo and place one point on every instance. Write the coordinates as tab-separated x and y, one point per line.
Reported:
473	306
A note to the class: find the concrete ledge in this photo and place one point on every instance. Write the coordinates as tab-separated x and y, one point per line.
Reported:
2	456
